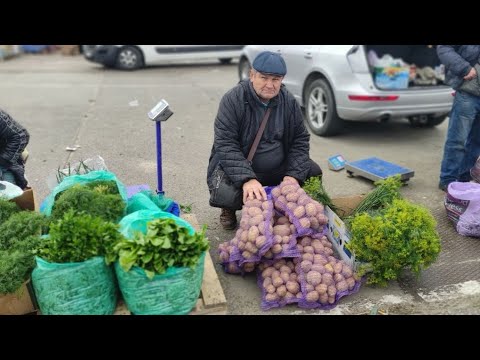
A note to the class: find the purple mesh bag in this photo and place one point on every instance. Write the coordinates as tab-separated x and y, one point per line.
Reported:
462	203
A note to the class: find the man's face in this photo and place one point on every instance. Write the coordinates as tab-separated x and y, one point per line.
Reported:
266	86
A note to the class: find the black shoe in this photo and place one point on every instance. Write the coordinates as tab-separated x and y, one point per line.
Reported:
443	187
228	219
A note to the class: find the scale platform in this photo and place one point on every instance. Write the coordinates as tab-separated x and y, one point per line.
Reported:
377	169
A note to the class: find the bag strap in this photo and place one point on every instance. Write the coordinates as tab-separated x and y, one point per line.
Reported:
259	135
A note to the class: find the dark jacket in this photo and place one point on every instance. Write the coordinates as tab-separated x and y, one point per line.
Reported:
13	141
238	120
458	61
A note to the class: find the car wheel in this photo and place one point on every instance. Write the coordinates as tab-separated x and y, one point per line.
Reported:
129	58
244	69
426	120
88	50
321	110
225	60
436	120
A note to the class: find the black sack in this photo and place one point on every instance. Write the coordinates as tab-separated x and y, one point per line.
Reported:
224	194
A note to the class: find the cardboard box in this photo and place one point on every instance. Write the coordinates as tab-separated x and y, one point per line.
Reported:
337	231
23	301
19	303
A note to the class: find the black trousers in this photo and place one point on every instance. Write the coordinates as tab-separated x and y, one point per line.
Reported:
273	179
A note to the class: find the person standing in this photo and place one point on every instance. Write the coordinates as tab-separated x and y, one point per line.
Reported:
462	145
14	139
283	151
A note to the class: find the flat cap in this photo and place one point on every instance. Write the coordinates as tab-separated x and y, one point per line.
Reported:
268	62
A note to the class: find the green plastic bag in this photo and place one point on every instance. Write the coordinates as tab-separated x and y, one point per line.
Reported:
146	200
137	221
173	293
70	181
82	288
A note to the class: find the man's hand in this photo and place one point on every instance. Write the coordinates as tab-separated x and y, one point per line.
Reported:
253	189
472	74
290	179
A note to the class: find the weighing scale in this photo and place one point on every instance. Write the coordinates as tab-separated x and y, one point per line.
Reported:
336	162
375	169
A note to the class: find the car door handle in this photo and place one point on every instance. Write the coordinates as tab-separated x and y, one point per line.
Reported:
307	54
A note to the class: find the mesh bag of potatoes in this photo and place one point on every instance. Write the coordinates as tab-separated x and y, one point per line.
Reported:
224	253
324	279
306	214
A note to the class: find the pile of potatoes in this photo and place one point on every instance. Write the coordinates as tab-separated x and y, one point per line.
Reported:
323	277
305	213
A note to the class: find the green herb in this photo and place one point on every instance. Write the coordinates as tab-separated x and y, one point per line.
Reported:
313	186
19	226
7	208
95	199
402	237
76	238
164	245
187	209
383	195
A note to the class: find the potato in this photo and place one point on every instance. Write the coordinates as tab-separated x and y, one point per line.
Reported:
337	268
281	291
318	268
244	235
247	254
301	192
285	277
296	261
320	208
289	296
266	205
293	230
312	296
285	239
271	297
305	241
299	211
285	269
328	251
233	242
350	283
241	245
329	268
319	259
322	219
308	249
277	239
282	220
307	256
347	271
293	277
287	189
303	200
253	233
305	223
314	278
326	243
293	287
261	240
292	197
254	211
276	191
251	248
310	209
309	287
299	295
277	281
249	267
261	267
300	248
276	249
323	299
282	200
321	289
318	247
253	203
268	255
244	222
331	290
255	220
291	206
338	278
306	265
341	286
314	224
224	257
268	272
332	260
282	230
327	279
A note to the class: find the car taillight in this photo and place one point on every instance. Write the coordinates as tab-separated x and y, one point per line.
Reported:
372	98
453	93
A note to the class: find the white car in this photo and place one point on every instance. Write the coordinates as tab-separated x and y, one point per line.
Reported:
338	82
131	57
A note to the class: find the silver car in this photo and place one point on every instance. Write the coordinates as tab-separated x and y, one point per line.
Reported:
339	82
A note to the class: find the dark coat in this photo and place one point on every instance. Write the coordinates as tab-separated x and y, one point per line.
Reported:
13	141
458	61
238	120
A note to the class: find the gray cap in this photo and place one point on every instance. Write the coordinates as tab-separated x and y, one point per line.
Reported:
268	62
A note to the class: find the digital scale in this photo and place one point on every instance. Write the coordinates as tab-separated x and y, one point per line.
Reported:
336	162
375	169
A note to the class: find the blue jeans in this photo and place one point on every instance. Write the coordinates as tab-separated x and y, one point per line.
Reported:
462	146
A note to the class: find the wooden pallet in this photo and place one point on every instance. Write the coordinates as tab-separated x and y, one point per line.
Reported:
212	300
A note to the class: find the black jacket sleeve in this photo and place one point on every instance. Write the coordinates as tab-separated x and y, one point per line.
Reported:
298	157
449	56
14	139
227	130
